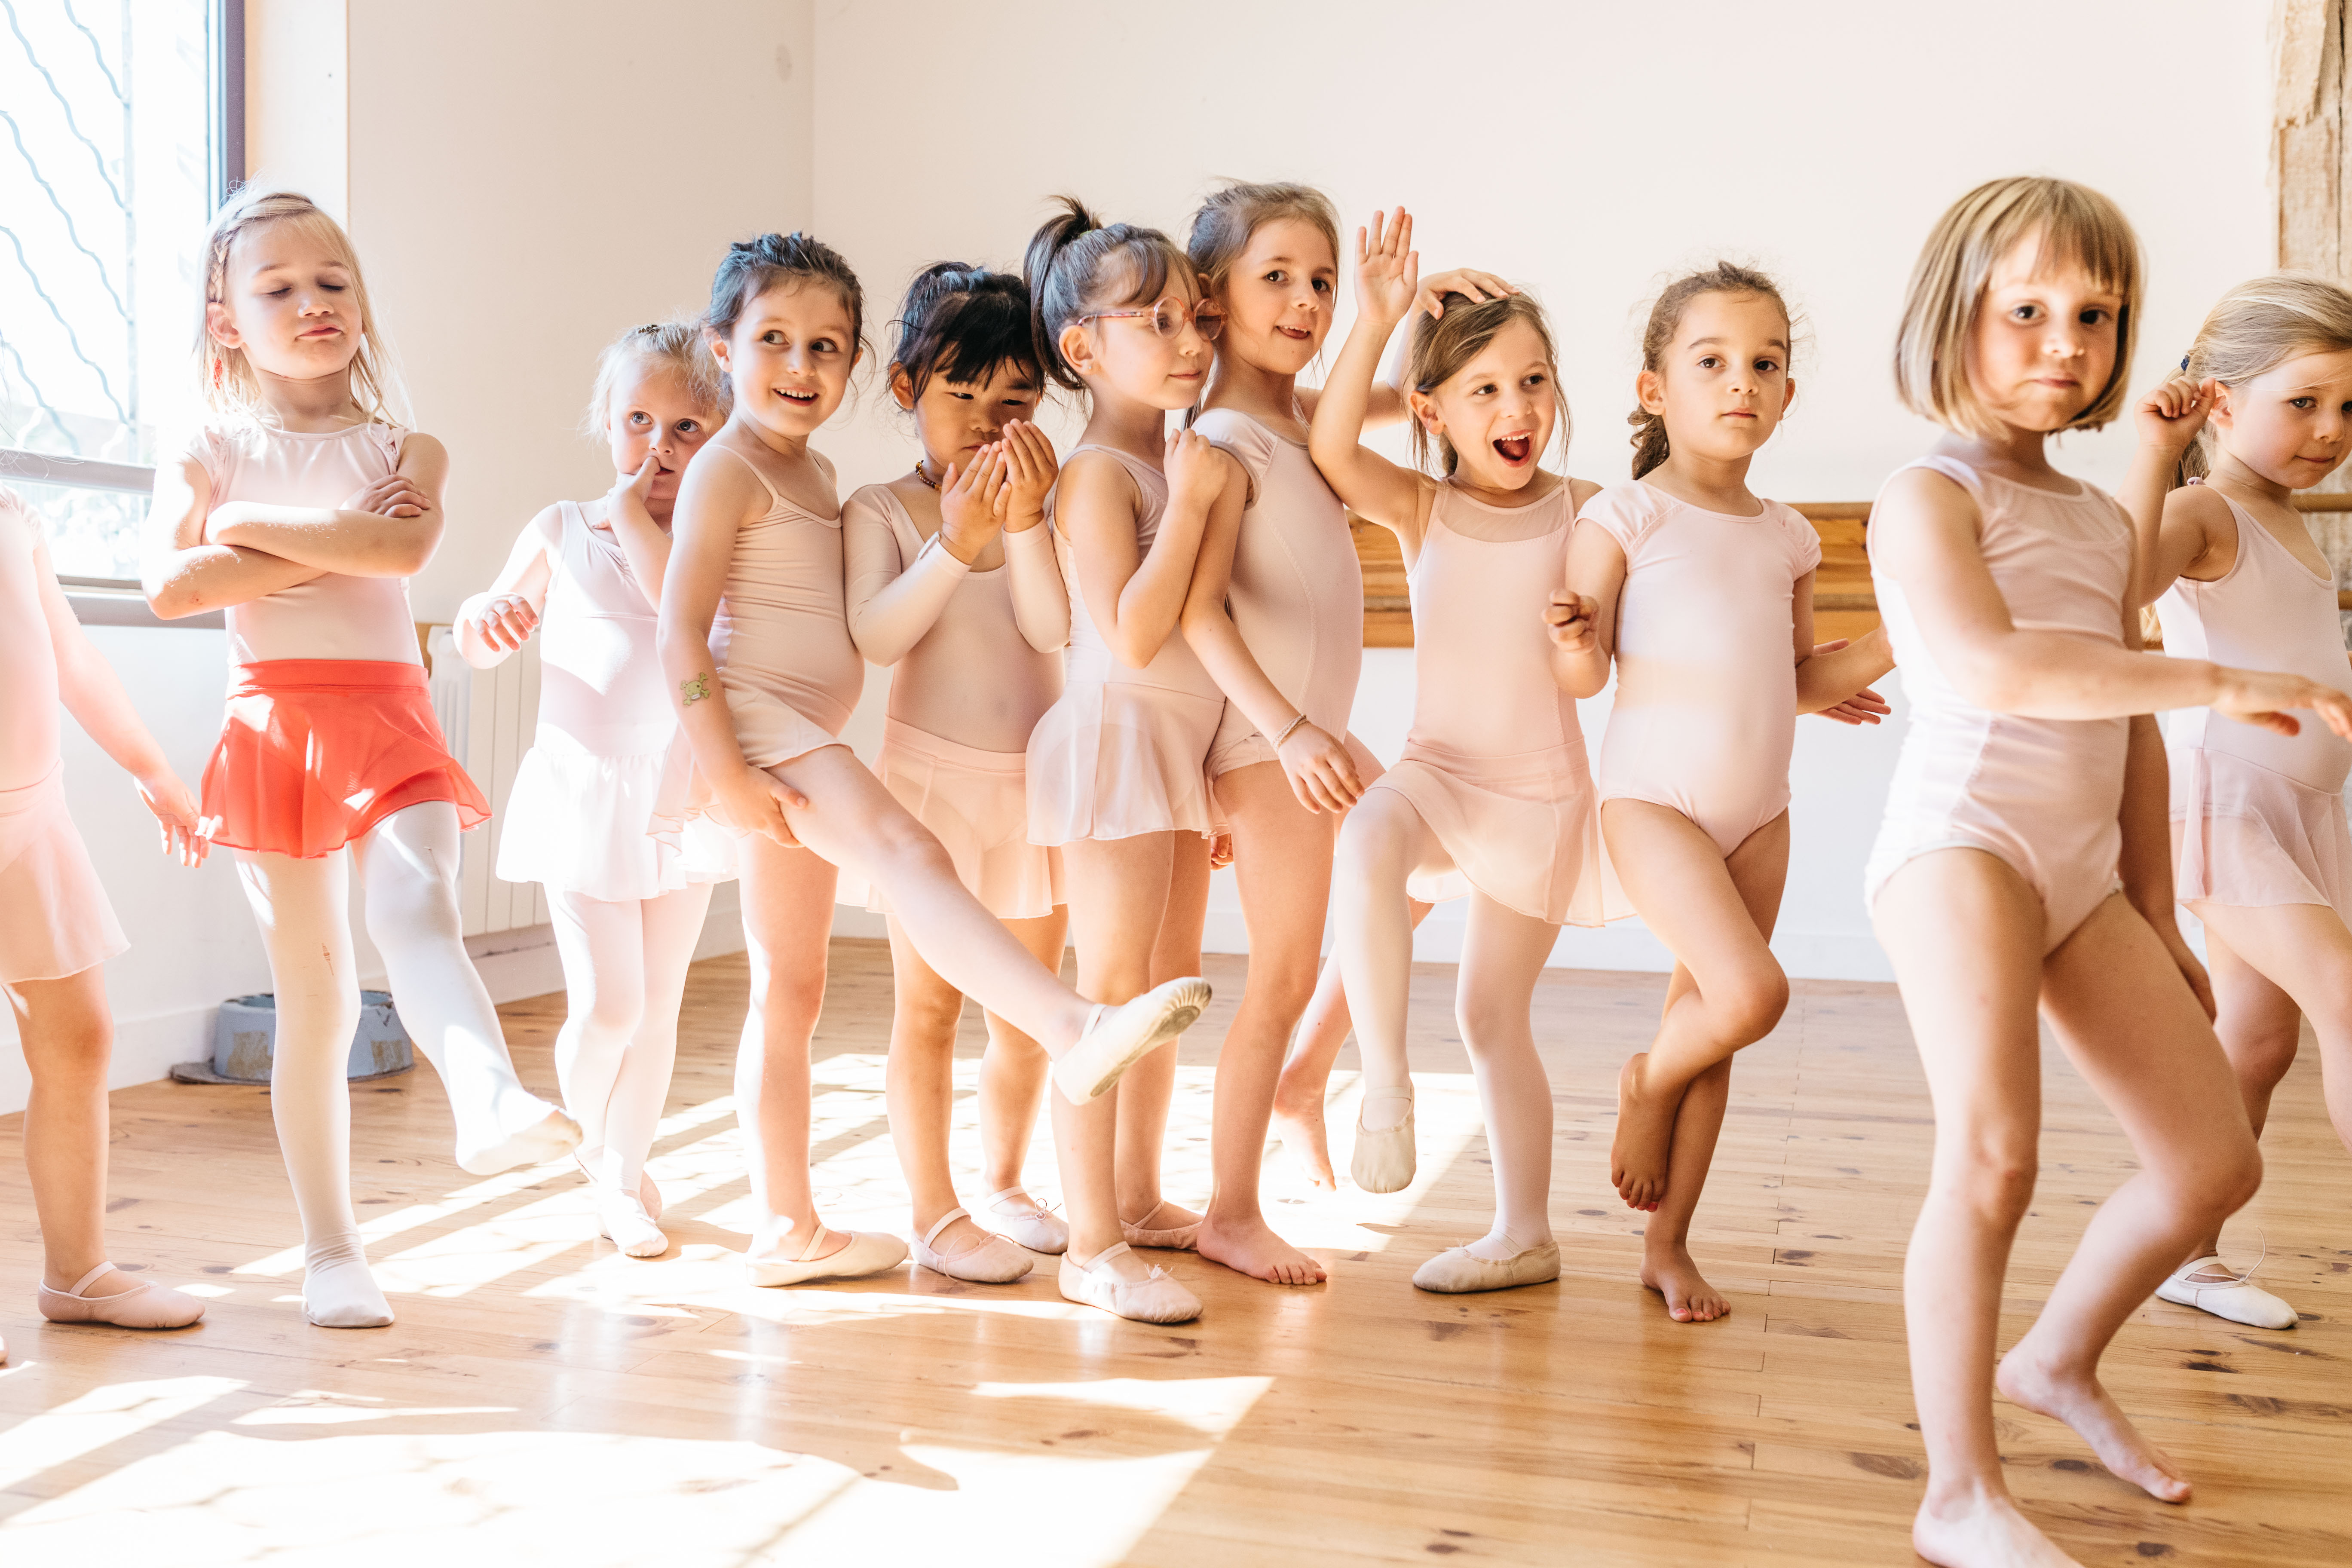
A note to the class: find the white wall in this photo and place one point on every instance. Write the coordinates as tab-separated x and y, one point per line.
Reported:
1584	151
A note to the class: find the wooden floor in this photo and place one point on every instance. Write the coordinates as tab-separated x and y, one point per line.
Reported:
545	1400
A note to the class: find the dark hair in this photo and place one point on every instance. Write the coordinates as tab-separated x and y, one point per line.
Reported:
1069	272
1649	436
1441	345
753	266
962	322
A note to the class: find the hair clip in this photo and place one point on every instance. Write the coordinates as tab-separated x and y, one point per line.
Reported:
2184	361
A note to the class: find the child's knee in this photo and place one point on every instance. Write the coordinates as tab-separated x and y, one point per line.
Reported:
1995	1178
1751	1004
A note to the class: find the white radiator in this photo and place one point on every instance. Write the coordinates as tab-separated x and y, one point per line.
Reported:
488	716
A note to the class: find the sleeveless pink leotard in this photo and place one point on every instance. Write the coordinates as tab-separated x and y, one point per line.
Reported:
1123	751
1494	762
1296	594
1705	715
2043	794
55	919
2257	817
977	662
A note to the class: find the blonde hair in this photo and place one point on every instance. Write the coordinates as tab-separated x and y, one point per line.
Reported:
2074	224
1231	214
1651	447
2258	326
1441	345
680	346
225	375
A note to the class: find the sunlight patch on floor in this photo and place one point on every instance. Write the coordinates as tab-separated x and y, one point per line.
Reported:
101	1417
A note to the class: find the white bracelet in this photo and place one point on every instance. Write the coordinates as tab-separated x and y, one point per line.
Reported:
1287	729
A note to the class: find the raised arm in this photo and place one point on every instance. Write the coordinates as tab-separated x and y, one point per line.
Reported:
1386	405
1041	600
1924	537
496	622
1387	277
1137	596
180	573
2170	528
389	528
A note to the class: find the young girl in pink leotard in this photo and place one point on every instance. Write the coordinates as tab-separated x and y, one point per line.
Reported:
57	928
2031	779
952	580
301	508
754	635
627	907
2262	854
1703	594
1492	797
1277	615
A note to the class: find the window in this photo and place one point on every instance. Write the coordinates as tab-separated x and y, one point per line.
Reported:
121	126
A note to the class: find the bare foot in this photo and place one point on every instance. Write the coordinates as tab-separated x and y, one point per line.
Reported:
1646	1137
1981	1532
1301	1133
1667	1268
2083	1404
1251	1248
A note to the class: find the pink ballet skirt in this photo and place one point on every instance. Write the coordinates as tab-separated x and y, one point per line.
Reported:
1524	830
1118	759
55	919
976	804
2243	834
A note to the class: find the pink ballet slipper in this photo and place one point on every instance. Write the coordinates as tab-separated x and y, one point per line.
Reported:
143	1306
1176	1238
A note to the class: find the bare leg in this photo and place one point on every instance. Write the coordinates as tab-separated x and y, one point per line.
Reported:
1503	955
67	1037
1687	893
1013	1071
1323	1029
787	919
301	907
2136	1033
922	1081
1282	858
1149	1089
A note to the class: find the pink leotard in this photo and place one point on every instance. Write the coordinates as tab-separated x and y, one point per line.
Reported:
978	662
2043	794
1706	713
1296	594
28	693
2257	817
1124	751
333	615
1494	762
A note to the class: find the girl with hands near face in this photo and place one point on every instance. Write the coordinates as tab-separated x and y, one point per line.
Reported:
756	644
628	908
952	580
1702	594
2261	409
1492	798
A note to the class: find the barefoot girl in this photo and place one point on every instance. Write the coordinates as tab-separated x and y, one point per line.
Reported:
1705	596
2262	854
1276	616
1492	794
2030	778
952	580
57	928
627	910
755	642
301	509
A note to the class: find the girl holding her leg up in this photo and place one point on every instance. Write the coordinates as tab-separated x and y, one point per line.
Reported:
952	580
628	908
2031	781
57	928
2262	854
1492	795
303	511
1703	594
754	636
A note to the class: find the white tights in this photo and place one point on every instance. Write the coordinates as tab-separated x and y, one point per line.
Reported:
408	873
624	965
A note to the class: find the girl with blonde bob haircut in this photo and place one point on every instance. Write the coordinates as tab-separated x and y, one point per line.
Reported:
2261	409
2031	782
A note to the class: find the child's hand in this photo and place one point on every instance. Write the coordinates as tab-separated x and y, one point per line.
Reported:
637	488
2169	417
1864	707
1477	285
1388	268
969	513
395	495
504	621
752	801
1220	850
1031	469
1321	772
1574	622
1196	470
186	834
